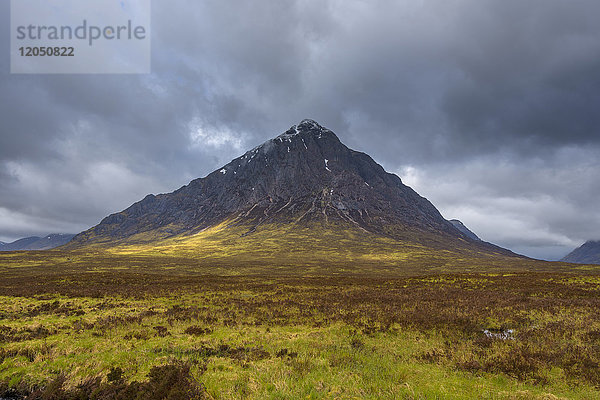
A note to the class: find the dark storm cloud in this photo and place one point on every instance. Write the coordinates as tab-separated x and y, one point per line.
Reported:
495	101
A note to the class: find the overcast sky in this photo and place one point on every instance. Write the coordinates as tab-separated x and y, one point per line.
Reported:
490	109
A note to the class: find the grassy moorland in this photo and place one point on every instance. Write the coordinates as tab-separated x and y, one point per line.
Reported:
122	325
316	249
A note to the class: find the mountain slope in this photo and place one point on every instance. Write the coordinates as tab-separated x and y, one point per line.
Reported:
38	243
461	227
303	178
587	253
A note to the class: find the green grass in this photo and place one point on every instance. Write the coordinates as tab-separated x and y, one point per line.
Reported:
287	332
296	313
326	362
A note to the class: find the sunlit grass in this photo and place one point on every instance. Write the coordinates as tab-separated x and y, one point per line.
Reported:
265	336
297	313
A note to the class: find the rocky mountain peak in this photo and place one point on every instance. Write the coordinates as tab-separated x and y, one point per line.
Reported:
299	137
306	126
303	177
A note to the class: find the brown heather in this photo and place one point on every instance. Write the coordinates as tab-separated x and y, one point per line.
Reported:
186	331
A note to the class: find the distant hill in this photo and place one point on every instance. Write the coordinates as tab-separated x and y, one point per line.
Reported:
21	244
38	243
588	253
461	227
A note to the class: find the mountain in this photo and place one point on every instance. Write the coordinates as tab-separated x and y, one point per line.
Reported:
461	227
38	243
587	253
20	244
303	184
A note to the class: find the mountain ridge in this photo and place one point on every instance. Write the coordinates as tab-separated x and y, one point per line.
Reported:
587	253
47	242
461	227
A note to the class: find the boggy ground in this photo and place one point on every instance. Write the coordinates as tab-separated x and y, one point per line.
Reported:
71	330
